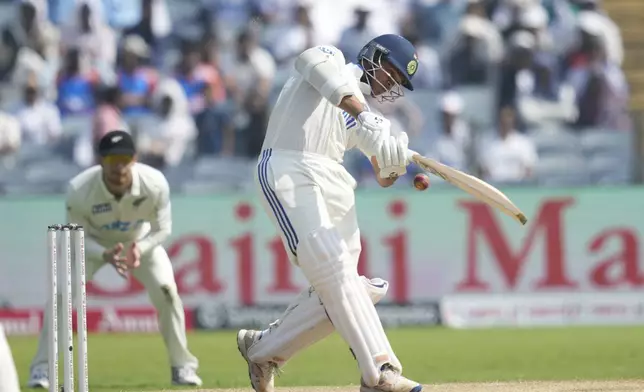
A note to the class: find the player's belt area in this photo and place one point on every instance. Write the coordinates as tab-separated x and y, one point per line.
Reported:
300	155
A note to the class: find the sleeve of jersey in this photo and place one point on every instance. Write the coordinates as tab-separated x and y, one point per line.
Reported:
323	68
76	215
161	222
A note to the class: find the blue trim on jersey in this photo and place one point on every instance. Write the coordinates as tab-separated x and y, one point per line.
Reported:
349	121
282	220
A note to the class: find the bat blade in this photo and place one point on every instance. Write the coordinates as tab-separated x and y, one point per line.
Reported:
470	184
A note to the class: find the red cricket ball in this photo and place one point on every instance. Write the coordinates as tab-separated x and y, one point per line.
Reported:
421	182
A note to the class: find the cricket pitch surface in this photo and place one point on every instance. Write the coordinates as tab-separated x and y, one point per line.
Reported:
528	386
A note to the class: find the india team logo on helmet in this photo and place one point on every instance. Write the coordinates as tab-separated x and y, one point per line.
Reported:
412	66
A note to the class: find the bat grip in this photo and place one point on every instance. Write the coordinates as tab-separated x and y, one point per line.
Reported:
410	154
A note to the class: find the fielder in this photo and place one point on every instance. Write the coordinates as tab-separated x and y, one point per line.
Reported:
309	196
124	207
8	375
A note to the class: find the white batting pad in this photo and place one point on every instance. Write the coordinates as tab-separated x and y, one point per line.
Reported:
304	323
325	261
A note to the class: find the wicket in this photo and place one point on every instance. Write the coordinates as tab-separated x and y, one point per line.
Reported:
77	240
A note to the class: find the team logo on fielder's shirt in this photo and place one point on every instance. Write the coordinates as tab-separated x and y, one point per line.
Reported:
101	208
412	66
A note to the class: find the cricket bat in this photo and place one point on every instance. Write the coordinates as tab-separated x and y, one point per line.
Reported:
470	184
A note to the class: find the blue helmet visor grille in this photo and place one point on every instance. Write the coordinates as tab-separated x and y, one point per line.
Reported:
393	90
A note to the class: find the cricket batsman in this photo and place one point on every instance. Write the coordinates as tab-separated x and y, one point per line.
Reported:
124	208
8	375
309	196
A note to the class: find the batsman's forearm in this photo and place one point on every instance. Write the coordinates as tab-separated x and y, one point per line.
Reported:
351	105
383	182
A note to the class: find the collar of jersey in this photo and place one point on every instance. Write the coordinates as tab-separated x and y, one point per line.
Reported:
135	189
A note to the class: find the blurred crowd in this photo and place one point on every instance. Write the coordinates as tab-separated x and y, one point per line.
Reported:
516	91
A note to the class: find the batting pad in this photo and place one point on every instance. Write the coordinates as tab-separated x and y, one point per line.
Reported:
304	323
325	261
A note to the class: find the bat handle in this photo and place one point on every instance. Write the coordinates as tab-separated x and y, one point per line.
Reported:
410	154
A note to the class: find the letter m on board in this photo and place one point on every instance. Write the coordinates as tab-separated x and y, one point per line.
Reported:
484	228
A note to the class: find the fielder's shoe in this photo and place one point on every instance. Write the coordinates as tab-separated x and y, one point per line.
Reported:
392	381
185	375
39	377
261	375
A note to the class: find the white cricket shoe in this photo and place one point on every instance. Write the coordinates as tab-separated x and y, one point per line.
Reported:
261	375
185	375
39	377
392	381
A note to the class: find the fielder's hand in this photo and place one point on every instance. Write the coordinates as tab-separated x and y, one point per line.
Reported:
113	256
133	259
392	157
123	264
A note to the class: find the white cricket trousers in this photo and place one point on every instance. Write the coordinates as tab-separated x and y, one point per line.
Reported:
8	375
156	275
305	194
301	192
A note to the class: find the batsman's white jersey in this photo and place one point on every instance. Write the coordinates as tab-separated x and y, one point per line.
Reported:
142	215
304	121
309	197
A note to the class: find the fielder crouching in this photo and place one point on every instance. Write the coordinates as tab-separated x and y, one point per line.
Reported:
309	196
124	208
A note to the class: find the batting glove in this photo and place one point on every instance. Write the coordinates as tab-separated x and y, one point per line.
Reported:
392	158
372	132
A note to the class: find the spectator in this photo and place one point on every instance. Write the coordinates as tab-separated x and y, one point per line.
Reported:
474	50
154	27
592	17
34	31
39	119
510	157
193	75
600	86
76	83
534	19
166	141
30	66
229	17
216	132
249	72
354	38
8	55
453	145
507	14
10	139
88	32
288	39
432	19
108	115
527	72
135	81
106	118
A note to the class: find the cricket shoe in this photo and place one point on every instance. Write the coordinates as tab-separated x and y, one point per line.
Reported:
392	381
39	377
261	375
185	375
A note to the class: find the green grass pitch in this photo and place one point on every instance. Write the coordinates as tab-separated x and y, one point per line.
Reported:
430	355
